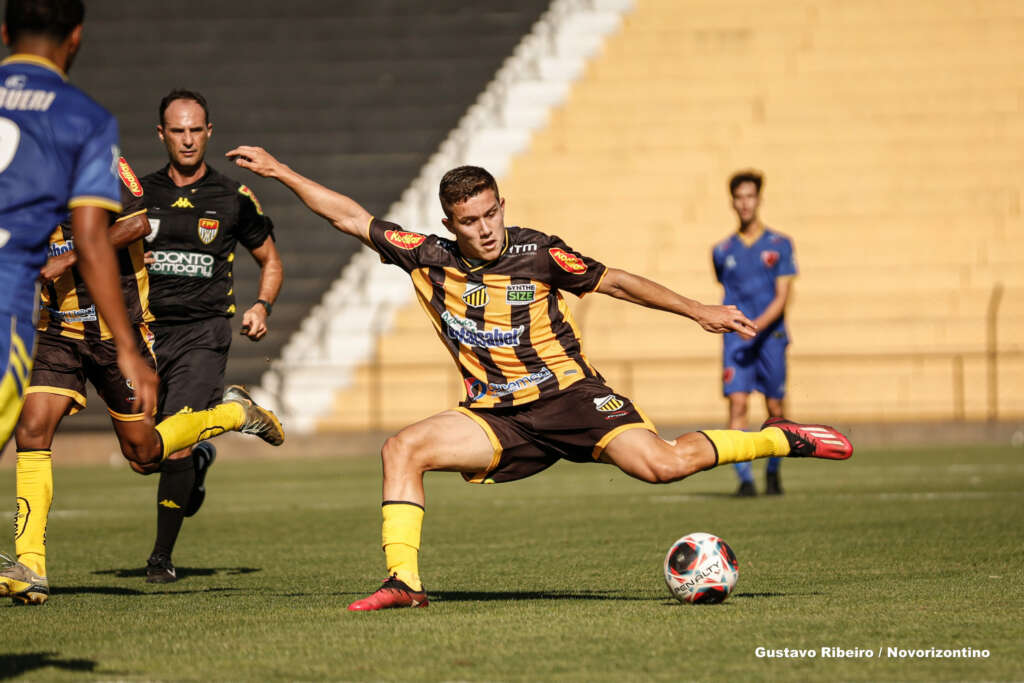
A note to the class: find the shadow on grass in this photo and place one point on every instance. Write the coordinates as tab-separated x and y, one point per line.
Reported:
12	666
485	596
116	590
740	596
183	572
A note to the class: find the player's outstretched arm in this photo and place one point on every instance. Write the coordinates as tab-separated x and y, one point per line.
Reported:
98	266
342	212
639	290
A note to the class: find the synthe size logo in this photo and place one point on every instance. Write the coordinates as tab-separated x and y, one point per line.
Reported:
466	332
182	264
520	294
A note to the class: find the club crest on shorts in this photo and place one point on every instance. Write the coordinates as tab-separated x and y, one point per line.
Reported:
609	403
476	296
208	228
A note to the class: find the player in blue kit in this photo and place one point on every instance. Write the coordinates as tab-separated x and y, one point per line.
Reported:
58	153
756	267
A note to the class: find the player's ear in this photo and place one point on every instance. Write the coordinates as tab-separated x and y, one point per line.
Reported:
160	132
447	222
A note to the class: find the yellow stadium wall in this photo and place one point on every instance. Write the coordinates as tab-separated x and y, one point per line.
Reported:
891	136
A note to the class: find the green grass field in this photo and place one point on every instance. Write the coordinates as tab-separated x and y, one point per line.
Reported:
554	578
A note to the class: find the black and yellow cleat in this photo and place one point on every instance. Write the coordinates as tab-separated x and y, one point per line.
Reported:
258	420
22	584
159	569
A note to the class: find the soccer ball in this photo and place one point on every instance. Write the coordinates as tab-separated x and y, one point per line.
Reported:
701	568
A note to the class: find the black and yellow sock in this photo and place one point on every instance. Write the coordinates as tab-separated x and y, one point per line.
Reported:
185	429
34	478
400	536
172	494
732	445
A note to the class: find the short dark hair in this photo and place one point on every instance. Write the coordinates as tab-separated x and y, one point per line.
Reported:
182	94
747	175
54	19
459	184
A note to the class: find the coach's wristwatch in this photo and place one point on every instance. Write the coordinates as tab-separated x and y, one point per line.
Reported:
266	305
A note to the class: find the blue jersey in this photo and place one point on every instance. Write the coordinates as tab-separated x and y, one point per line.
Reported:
748	272
58	150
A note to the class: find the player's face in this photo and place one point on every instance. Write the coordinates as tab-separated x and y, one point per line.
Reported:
185	133
479	225
745	202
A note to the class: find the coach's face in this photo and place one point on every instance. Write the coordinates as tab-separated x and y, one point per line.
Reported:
478	224
745	202
185	132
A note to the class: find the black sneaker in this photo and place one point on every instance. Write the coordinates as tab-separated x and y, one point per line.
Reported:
203	455
160	570
772	484
746	490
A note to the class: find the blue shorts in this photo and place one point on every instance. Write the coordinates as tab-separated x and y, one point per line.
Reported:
756	365
16	338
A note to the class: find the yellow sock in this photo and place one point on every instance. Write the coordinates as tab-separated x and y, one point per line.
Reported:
34	478
400	536
732	445
187	428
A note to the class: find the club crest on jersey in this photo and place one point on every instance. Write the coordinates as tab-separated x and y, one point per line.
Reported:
128	177
476	296
769	258
609	403
404	240
182	203
208	229
568	262
246	192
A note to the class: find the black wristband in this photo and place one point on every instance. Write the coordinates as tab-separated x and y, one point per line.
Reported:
266	305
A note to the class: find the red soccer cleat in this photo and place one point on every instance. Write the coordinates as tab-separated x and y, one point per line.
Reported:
393	593
812	441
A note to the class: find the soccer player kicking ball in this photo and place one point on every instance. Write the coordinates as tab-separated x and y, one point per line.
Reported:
494	296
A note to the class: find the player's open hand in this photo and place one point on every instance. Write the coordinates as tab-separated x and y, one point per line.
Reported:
254	323
141	378
723	319
56	266
256	159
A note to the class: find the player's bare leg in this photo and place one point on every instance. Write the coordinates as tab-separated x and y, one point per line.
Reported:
448	441
739	403
26	581
773	482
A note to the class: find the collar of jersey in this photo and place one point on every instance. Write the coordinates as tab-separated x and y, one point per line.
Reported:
471	268
35	60
166	173
751	242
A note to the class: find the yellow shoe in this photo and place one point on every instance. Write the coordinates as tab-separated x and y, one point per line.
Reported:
22	584
258	420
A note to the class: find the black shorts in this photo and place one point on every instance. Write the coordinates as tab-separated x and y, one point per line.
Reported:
63	365
574	425
192	358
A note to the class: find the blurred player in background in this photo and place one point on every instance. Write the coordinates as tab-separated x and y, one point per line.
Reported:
756	267
494	297
58	153
198	216
74	346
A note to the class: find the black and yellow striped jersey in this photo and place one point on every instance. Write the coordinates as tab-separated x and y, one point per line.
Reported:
505	322
66	308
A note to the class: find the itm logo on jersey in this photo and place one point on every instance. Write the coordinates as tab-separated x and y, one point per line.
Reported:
519	249
404	240
517	295
769	258
476	296
571	263
609	403
128	177
182	203
208	229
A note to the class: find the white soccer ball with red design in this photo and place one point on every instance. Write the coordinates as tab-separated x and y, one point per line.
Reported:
701	568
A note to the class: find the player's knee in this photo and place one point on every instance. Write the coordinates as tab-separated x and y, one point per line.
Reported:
144	455
144	469
396	452
32	433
